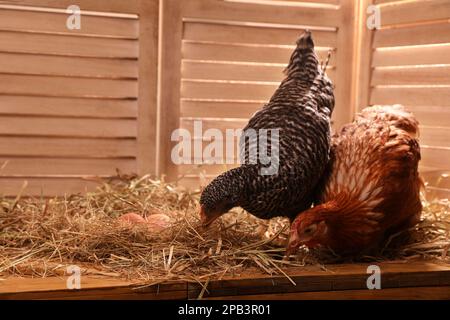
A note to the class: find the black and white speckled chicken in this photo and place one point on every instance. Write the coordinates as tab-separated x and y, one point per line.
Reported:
300	109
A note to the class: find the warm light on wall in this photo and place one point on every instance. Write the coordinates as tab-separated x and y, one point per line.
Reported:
287	3
85	12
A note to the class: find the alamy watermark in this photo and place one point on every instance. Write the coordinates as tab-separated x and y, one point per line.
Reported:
74	20
374	280
74	280
261	147
374	17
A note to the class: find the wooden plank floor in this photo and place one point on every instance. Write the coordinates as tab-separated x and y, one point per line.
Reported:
399	280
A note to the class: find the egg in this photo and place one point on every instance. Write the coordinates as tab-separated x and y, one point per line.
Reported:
155	222
158	222
132	218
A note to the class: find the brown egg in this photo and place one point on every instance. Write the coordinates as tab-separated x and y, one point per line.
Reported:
154	222
132	218
158	222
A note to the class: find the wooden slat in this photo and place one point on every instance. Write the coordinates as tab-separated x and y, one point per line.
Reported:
218	140
411	76
218	109
408	36
219	124
256	35
14	285
419	293
243	53
67	87
222	140
384	1
206	164
250	12
425	169
169	83
344	91
411	96
93	288
412	56
29	166
437	193
431	116
446	188
433	192
363	58
148	87
312	1
239	72
10	187
335	278
67	66
67	45
66	107
96	128
436	157
415	11
226	71
119	6
238	91
51	22
60	147
437	178
435	136
408	277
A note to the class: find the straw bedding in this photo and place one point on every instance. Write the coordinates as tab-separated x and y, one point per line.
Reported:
41	237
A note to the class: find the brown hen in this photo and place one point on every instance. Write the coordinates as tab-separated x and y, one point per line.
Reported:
372	190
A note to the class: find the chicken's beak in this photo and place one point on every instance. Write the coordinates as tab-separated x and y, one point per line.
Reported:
207	219
291	248
294	243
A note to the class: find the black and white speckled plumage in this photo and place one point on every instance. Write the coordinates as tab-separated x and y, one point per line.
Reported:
300	108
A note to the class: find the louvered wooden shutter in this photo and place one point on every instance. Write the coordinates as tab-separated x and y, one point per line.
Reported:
408	62
222	60
70	104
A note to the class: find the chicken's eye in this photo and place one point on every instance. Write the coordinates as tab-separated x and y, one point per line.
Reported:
310	229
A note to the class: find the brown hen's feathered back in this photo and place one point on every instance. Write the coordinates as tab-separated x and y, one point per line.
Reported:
373	188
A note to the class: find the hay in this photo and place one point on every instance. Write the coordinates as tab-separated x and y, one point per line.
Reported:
41	237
